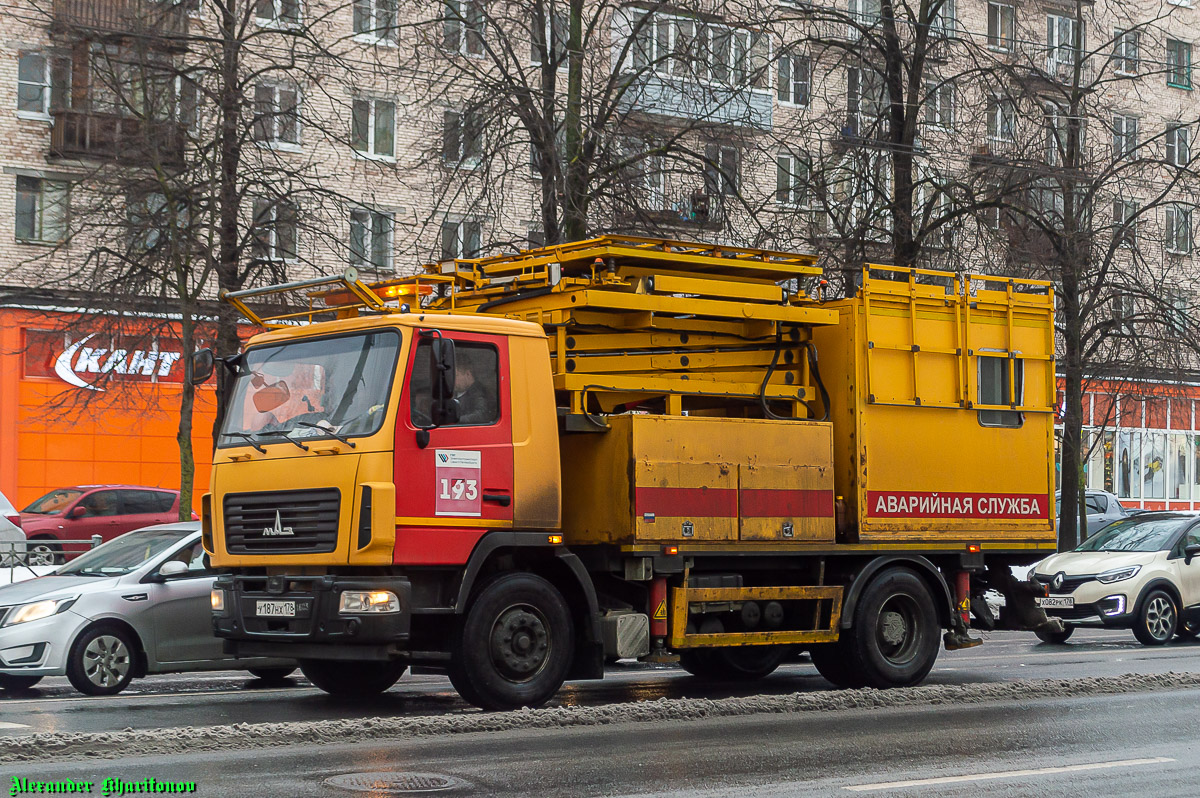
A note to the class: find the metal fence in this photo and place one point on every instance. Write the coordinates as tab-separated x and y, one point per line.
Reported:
23	556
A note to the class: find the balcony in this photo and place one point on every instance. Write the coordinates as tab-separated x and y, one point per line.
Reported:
157	18
676	210
109	137
697	101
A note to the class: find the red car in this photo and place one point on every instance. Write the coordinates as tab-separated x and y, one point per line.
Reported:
79	513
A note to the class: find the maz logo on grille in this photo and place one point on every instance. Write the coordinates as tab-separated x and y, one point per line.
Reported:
278	529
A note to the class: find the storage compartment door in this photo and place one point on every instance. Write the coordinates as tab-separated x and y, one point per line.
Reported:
685	501
786	502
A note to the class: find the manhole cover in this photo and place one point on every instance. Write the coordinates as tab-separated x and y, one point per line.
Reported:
395	783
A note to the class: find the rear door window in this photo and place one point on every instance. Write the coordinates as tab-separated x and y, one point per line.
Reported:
1097	504
146	502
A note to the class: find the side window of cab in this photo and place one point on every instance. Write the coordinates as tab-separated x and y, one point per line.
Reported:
476	385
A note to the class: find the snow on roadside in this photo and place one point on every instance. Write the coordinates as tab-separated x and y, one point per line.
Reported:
243	736
21	572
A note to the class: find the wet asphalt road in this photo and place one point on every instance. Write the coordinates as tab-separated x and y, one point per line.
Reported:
234	697
1127	745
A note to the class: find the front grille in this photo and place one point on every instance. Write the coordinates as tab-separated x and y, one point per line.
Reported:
1070	583
258	523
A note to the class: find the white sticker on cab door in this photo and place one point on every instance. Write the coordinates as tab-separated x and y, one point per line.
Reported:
457	482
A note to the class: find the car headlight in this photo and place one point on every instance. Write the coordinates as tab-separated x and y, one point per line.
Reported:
217	597
1119	574
369	601
38	610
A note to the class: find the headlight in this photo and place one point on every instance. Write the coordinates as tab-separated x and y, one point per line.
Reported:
1119	574
38	610
218	600
369	601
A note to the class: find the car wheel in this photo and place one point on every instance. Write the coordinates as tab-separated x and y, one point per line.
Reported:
1054	637
515	645
274	674
347	679
101	661
9	681
43	551
1188	630
1156	622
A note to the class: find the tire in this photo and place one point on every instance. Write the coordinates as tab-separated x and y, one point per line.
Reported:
1188	630
102	660
9	681
832	661
515	645
1057	638
349	678
895	636
1157	620
43	551
273	674
742	664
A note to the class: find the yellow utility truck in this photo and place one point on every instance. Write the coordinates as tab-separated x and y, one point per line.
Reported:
517	467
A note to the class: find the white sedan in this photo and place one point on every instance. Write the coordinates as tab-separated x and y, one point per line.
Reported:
136	605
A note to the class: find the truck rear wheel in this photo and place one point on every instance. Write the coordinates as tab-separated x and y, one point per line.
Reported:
743	664
515	644
894	639
349	679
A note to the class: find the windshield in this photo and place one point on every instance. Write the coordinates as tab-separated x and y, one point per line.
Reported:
120	556
328	387
54	502
1153	534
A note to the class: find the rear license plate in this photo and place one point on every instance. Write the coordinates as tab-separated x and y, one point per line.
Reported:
276	609
1056	602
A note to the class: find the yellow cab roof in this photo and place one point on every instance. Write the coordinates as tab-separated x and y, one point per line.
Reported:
495	325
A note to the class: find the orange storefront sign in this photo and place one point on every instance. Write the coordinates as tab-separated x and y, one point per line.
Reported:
79	407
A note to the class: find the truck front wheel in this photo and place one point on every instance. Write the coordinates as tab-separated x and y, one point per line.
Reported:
349	679
515	644
894	639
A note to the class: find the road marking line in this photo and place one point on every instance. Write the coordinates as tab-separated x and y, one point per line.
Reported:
7	725
1007	774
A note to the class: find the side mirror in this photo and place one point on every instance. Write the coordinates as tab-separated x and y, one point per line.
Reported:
1189	552
172	568
78	511
203	363
444	409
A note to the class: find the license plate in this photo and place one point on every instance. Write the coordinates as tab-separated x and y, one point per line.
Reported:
276	609
1056	602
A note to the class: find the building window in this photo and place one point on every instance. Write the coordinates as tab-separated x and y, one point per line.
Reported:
41	210
791	180
1178	311
373	128
1001	119
371	239
1125	51
720	170
866	97
461	145
550	41
1056	134
685	47
1063	41
863	14
1001	26
276	115
1179	151
995	388
1125	222
463	26
460	239
939	105
1125	136
153	220
281	13
375	20
1177	230
33	85
1179	64
941	24
792	79
274	230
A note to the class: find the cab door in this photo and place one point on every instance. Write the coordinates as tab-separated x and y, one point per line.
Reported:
460	484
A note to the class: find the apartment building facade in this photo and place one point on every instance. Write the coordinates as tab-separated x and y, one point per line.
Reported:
384	134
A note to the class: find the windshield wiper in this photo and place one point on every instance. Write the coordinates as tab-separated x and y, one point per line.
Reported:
248	437
290	439
328	432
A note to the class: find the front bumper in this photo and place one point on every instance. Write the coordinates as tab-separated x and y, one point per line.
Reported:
1097	604
39	648
318	630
